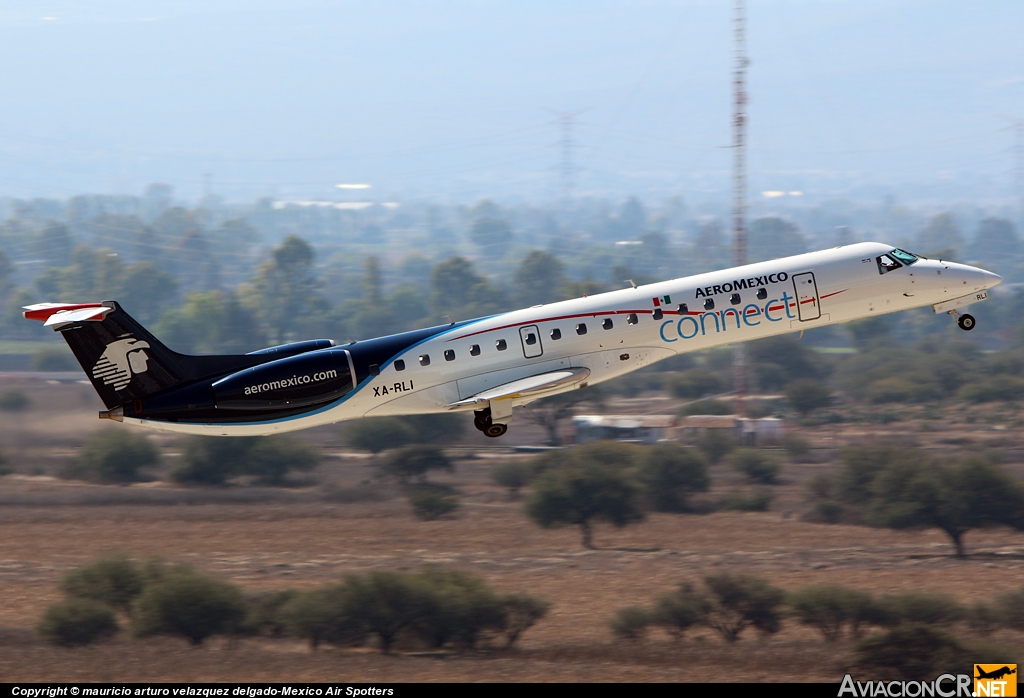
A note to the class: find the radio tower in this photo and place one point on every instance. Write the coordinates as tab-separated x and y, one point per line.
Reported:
739	145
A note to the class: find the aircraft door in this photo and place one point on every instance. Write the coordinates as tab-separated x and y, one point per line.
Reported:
530	337
807	305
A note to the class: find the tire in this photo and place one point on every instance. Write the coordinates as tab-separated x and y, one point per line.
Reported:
495	430
966	322
482	419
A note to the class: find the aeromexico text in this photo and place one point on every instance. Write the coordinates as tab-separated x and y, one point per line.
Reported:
289	382
737	284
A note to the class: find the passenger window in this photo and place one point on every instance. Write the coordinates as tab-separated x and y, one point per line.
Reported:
607	324
581	328
734	299
631	319
556	333
531	339
374	369
887	264
762	293
399	365
683	309
501	345
424	359
474	350
657	314
449	355
709	304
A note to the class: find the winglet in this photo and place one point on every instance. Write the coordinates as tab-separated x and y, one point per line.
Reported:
43	311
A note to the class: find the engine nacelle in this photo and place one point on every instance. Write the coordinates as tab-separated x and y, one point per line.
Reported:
307	379
292	349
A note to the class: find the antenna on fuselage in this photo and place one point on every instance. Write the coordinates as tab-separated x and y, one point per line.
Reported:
631	282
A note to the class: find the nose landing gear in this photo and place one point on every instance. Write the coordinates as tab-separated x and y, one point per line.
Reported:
966	322
482	421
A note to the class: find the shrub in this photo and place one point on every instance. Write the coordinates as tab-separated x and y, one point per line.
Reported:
577	494
189	604
211	460
77	622
415	461
695	383
14	401
677	611
919	652
715	444
737	501
918	607
514	476
522	611
830	607
741	601
321	615
1001	387
430	503
435	428
797	448
463	607
115	581
805	396
671	474
376	434
114	456
829	512
385	604
983	618
630	623
263	615
1011	608
55	359
758	466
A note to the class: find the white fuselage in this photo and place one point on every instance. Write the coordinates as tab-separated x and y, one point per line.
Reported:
614	333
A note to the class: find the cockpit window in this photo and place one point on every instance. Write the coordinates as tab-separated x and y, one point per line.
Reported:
887	264
904	256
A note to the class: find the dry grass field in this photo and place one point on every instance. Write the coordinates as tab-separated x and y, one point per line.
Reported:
266	539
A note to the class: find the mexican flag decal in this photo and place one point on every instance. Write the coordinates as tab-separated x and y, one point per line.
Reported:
662	299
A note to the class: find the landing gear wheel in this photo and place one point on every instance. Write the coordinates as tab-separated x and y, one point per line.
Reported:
966	322
495	430
482	419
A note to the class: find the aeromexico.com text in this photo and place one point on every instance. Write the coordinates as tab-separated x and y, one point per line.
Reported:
737	284
291	382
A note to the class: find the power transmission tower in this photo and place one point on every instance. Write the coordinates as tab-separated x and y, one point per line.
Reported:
567	168
1018	167
739	211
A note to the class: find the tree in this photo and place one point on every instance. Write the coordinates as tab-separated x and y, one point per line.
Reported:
578	494
805	396
759	466
415	461
493	235
146	290
285	285
671	474
996	240
115	581
212	460
539	278
742	601
189	604
830	607
678	611
77	622
955	499
320	615
772	237
115	456
376	434
941	237
549	412
386	603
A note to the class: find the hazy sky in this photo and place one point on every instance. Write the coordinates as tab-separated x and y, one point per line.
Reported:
458	99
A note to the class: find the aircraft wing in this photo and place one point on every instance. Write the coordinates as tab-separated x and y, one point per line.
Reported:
531	387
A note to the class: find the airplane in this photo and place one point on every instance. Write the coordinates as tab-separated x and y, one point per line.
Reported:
493	364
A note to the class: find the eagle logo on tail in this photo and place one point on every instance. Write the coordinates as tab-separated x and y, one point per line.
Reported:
120	361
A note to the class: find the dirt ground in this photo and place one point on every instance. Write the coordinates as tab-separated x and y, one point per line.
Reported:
300	538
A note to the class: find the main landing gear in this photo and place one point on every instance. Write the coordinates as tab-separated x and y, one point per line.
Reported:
482	421
966	322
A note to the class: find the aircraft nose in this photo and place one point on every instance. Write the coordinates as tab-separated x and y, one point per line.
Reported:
990	279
